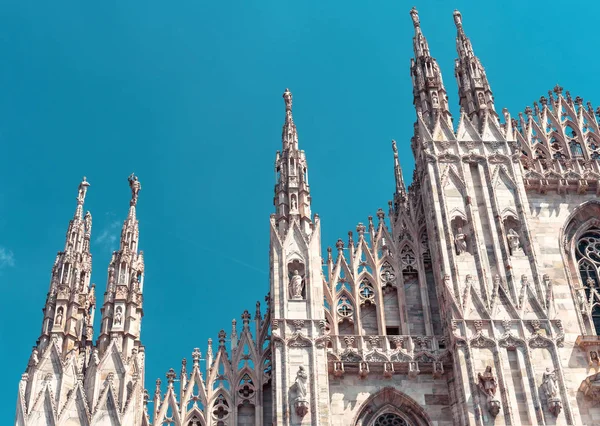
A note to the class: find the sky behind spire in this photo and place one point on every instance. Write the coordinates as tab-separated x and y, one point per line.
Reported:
188	95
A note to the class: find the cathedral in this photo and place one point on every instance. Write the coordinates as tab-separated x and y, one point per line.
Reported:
474	300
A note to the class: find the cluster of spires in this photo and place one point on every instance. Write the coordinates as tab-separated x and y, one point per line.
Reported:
71	276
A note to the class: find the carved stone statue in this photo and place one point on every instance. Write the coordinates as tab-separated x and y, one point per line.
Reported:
300	389
488	385
119	316
460	240
513	240
135	186
296	286
294	204
59	317
481	98
83	186
551	391
549	383
435	99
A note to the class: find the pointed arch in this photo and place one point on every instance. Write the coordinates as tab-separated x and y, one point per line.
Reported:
392	401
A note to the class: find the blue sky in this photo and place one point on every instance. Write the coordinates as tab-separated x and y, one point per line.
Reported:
187	95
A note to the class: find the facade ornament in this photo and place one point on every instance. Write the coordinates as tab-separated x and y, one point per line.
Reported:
513	241
300	389
363	369
413	369
551	391
488	385
460	241
438	369
296	286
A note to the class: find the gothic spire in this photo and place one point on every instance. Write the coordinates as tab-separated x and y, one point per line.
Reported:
400	188
65	311
474	91
122	308
430	99
292	193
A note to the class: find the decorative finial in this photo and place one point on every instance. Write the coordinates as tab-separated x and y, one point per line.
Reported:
394	148
457	18
83	186
287	96
558	90
414	14
135	186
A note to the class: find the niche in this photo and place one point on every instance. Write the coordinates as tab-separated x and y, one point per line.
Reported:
460	231
512	229
296	280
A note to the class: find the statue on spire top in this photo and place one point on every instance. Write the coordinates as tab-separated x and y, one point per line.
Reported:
83	186
414	13
287	96
457	18
135	186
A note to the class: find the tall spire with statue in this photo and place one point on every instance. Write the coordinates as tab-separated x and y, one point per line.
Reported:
429	93
292	193
69	310
122	308
475	94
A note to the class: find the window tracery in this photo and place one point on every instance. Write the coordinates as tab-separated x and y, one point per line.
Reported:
367	293
587	254
221	408
345	308
390	419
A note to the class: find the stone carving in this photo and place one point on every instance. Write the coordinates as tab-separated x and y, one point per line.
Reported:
488	385
59	316
296	286
300	389
118	316
135	186
294	203
514	242
460	241
551	391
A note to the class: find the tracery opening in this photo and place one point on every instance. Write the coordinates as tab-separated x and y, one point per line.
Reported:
390	419
587	253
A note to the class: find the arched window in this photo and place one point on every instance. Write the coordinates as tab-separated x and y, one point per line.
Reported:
587	253
390	419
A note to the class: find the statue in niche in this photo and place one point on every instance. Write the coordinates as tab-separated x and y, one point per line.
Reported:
59	317
551	391
481	98
300	389
549	383
296	285
513	240
460	241
435	99
119	316
294	203
487	382
488	385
